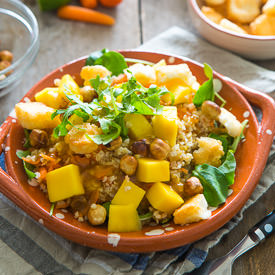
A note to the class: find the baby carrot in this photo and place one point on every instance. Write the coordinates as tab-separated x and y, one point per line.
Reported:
88	3
84	15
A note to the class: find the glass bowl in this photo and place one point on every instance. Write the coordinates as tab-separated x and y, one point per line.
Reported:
19	35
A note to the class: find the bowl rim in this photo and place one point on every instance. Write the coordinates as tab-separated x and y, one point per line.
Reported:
196	8
32	23
137	244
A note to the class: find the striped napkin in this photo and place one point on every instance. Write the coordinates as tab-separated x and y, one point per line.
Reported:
26	247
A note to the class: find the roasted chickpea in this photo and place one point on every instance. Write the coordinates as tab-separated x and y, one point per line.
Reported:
38	138
210	109
79	204
88	93
128	164
97	214
159	148
6	56
4	64
140	147
192	187
115	144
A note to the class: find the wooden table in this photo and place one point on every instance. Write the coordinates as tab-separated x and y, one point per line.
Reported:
137	21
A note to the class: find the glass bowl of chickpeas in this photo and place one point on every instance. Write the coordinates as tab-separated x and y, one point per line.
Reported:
19	43
245	27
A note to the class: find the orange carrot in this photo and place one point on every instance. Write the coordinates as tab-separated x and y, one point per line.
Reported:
31	161
43	172
85	15
90	4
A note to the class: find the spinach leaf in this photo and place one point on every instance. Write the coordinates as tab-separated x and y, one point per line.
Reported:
111	60
28	167
206	90
215	185
106	205
228	167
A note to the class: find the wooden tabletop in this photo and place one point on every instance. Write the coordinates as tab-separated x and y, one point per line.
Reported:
137	21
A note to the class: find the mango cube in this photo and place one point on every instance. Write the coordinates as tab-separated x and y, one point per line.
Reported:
123	218
181	94
144	74
91	72
162	197
64	182
152	170
263	25
128	193
138	126
51	97
165	125
269	8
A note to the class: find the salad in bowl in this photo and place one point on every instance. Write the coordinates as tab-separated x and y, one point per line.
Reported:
131	143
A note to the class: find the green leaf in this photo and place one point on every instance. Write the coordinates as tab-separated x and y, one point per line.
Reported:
239	138
106	205
215	185
94	56
146	216
52	208
28	167
206	90
27	143
226	142
111	60
208	71
228	167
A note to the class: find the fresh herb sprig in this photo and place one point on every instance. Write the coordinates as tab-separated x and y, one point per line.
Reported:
110	107
28	167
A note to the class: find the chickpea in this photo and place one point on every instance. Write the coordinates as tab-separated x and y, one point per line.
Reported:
210	109
80	204
193	187
140	147
159	148
38	138
6	56
97	214
88	93
115	144
128	164
4	64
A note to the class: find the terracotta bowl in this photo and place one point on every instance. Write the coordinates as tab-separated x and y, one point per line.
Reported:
250	46
251	159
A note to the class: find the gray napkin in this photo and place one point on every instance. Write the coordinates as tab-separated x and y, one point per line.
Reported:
27	247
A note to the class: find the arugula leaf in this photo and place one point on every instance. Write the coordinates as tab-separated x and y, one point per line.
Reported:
228	167
28	167
146	216
111	60
206	90
215	185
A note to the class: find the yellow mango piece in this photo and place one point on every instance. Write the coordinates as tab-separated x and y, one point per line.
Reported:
193	210
138	126
263	25
69	86
35	115
128	193
91	72
228	25
152	170
51	97
162	62
162	197
64	182
165	125
181	94
269	8
212	14
123	218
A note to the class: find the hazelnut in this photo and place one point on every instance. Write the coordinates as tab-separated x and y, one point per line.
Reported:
128	164
159	148
140	147
192	187
210	109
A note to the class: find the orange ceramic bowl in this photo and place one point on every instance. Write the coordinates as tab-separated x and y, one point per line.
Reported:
251	158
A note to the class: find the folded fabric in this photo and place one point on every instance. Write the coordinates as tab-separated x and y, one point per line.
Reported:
27	246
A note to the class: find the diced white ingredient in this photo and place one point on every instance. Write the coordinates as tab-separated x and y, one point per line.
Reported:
154	232
113	239
230	122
